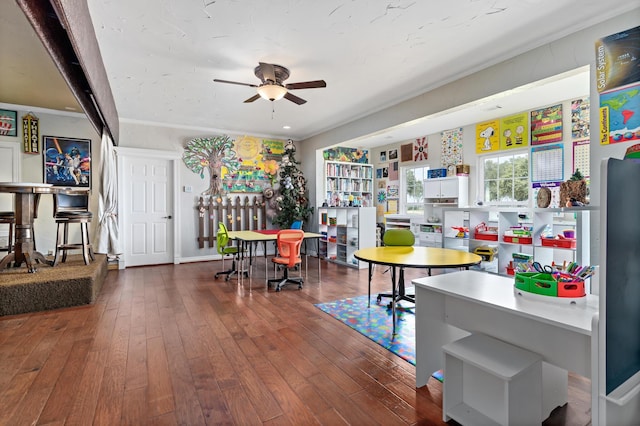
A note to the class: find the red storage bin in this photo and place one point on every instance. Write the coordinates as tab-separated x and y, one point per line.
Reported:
486	237
571	289
559	242
518	240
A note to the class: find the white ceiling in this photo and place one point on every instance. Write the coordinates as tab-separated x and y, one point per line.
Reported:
161	57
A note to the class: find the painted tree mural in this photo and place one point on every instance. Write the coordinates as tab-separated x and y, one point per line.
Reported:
213	154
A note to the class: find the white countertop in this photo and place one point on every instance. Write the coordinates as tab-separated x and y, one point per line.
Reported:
498	292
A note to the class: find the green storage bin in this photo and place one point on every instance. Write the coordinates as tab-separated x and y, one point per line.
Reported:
543	284
523	280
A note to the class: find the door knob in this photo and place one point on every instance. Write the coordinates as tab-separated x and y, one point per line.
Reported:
167	217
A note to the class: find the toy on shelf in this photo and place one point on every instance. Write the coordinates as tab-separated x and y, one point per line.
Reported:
484	232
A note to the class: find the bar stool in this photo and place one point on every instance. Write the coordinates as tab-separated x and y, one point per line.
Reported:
8	218
72	208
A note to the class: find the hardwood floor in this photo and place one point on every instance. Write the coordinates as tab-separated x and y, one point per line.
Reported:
170	345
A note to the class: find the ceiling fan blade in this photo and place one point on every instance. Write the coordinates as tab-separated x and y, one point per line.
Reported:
234	82
253	98
294	99
306	85
268	72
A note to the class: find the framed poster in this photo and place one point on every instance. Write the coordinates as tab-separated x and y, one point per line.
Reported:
67	161
8	121
546	125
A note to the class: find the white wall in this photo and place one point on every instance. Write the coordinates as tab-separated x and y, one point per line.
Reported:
173	139
573	51
72	125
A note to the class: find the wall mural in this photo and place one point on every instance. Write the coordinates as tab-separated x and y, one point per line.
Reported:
248	164
347	155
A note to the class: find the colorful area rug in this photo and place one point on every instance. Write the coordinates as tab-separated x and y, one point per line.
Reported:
375	323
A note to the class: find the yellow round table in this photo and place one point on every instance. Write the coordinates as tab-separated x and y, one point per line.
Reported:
411	257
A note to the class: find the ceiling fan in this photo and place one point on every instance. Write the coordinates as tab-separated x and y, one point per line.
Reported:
272	88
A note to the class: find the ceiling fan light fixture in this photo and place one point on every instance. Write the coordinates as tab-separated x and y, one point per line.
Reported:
272	92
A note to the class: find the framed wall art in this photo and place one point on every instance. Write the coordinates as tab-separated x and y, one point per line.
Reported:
67	161
8	122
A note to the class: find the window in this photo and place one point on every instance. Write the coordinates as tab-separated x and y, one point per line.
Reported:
412	189
506	179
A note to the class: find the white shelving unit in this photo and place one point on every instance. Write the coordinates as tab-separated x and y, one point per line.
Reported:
575	218
441	193
397	221
348	179
344	231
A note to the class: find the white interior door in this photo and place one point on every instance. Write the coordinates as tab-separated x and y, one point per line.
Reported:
147	187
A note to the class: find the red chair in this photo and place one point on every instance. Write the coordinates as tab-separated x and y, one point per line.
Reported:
289	242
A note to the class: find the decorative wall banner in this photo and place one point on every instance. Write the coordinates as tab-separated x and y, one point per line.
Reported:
622	114
546	125
617	60
8	122
420	149
348	155
30	134
487	137
67	161
580	118
513	131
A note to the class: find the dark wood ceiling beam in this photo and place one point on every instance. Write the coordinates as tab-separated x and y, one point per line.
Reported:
66	30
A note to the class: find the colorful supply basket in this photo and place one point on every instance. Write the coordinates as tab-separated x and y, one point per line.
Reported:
546	285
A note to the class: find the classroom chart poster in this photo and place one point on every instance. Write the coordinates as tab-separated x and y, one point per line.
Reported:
620	115
580	119
547	163
513	132
546	125
487	137
451	146
617	60
581	157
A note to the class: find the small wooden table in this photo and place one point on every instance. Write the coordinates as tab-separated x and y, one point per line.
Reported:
254	237
25	201
412	257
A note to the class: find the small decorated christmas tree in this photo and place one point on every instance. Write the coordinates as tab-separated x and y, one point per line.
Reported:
293	200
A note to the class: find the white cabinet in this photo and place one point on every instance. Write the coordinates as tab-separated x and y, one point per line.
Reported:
344	231
453	191
348	184
546	252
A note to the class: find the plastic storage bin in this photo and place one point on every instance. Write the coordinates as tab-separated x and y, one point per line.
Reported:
518	240
559	242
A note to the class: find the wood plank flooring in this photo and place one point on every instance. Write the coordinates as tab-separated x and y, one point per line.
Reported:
168	345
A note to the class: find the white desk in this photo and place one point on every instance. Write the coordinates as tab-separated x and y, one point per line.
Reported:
450	306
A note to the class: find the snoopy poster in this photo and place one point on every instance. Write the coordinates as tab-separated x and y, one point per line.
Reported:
487	136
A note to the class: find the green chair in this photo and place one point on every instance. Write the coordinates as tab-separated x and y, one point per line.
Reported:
222	240
401	238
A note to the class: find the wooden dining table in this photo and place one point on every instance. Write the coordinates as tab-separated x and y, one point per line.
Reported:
25	209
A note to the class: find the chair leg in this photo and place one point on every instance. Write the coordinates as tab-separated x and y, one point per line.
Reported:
59	239
84	231
286	279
